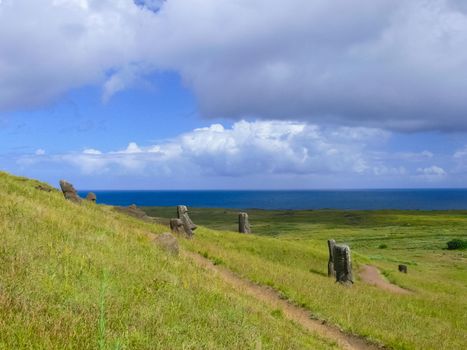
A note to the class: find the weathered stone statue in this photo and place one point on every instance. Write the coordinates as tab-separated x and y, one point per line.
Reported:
188	225
342	264
91	197
403	268
176	226
331	271
69	192
243	223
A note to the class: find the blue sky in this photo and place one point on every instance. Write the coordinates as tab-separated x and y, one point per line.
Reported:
235	94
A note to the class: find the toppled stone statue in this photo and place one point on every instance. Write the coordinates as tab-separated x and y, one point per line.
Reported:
342	264
167	242
243	223
331	271
91	197
135	212
403	268
69	192
183	225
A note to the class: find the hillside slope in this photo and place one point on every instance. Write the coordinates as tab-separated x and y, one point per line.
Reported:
86	277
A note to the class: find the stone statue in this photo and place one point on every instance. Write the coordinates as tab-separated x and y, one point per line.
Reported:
91	197
243	223
342	264
176	226
183	225
331	271
69	192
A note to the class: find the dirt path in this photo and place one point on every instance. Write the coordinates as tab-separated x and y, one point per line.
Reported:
290	311
370	274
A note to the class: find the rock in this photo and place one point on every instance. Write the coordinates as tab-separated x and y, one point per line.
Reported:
331	271
403	268
188	225
91	197
342	264
45	188
168	243
135	212
69	192
243	223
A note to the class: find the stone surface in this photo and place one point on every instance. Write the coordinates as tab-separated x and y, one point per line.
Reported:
342	264
45	188
243	223
91	197
188	225
168	243
69	192
403	268
331	270
135	212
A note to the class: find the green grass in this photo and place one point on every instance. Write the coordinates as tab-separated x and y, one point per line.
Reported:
289	253
87	277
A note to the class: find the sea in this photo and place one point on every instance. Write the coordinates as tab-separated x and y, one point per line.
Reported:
404	199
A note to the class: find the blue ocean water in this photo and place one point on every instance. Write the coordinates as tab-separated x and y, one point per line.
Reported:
422	199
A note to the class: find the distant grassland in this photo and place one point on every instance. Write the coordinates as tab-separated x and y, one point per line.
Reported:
289	253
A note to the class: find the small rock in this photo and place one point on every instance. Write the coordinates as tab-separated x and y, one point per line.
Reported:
168	243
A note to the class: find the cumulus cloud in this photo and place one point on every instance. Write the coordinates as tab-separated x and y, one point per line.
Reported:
387	64
247	148
432	173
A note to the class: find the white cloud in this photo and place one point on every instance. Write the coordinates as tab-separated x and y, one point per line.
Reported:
432	173
247	148
385	64
40	152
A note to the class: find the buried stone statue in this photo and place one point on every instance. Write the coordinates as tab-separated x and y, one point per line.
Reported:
183	225
340	263
243	223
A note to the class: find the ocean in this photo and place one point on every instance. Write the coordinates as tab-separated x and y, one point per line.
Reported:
414	199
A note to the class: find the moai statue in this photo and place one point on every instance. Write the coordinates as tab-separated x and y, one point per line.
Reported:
331	271
403	268
243	223
69	192
188	225
176	225
342	264
91	197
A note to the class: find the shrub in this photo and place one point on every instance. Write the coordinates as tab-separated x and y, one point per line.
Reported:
383	246
457	243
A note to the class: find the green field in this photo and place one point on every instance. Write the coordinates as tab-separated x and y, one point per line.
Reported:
88	277
288	252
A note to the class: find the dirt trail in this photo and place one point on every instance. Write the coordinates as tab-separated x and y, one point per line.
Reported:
370	274
290	311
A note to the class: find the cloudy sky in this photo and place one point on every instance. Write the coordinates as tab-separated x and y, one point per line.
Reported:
192	94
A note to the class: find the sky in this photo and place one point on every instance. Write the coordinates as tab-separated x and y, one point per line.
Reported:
235	94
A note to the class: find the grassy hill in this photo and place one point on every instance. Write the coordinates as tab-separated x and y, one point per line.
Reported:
87	277
289	253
